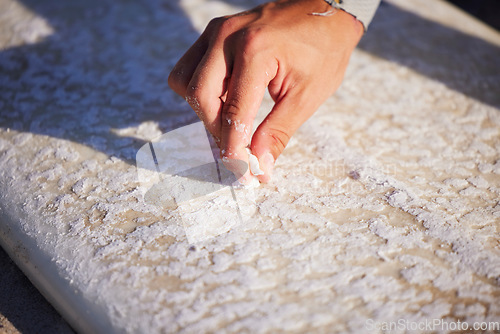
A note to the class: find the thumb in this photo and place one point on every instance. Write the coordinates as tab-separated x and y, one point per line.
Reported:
273	134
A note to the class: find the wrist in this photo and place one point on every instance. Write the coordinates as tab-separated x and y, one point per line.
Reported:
362	10
336	15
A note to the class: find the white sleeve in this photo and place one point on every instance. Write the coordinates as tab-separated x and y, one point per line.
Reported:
363	10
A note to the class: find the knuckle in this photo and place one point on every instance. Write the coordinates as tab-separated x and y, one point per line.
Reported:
176	79
230	112
279	139
214	23
226	25
251	40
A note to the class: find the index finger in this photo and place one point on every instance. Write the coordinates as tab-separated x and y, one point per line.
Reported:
246	89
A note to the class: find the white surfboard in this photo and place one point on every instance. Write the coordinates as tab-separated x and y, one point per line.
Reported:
383	209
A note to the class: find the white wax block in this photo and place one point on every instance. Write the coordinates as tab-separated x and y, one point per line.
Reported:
253	163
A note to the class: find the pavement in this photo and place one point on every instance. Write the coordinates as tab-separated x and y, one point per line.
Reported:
22	308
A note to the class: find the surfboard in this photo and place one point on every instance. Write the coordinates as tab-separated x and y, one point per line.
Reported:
383	209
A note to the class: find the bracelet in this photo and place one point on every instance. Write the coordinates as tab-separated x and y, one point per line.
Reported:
362	10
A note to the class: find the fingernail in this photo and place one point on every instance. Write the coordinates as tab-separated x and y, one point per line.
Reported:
267	164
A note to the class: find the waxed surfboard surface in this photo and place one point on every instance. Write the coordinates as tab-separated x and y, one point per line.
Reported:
384	206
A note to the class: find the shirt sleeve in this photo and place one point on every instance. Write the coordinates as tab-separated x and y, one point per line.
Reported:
363	10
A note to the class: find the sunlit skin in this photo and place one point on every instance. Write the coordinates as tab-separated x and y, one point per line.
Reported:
281	46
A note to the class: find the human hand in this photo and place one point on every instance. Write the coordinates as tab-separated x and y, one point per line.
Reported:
284	46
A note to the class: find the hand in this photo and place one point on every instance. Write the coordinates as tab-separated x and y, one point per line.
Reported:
298	56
